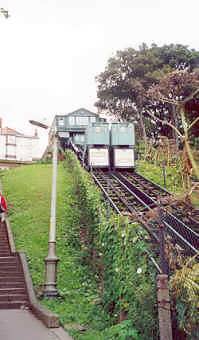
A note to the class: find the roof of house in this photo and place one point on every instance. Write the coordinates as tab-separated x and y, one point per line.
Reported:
8	131
80	112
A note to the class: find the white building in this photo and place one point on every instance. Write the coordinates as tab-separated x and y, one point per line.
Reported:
15	146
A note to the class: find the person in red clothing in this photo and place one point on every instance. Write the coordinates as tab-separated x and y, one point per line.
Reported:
3	207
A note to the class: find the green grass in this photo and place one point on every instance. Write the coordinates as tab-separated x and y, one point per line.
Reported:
155	173
27	190
173	179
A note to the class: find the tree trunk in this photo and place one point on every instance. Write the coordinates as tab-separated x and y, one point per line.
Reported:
143	131
175	123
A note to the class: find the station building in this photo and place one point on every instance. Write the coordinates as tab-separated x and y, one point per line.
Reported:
73	124
17	147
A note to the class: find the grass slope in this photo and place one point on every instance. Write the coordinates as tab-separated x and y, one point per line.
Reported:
155	173
28	193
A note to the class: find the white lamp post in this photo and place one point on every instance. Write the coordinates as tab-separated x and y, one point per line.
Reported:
50	285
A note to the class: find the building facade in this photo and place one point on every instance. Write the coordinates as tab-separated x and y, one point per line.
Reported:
15	146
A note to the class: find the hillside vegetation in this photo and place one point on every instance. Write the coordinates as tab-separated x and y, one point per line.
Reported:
105	280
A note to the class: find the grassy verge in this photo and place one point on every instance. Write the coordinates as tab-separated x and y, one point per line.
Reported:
173	179
127	277
155	173
28	193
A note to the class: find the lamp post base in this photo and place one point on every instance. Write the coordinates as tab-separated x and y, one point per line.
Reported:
50	286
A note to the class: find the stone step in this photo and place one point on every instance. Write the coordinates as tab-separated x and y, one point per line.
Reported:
13	304
13	290
9	265
5	253
13	297
12	278
8	258
8	270
13	284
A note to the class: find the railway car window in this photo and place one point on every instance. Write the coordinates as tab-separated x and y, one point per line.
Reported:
82	120
71	120
61	122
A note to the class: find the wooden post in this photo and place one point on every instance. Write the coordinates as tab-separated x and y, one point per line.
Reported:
164	312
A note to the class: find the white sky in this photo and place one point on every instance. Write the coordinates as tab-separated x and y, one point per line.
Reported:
51	50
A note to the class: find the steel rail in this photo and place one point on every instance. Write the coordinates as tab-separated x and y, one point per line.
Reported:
131	192
107	180
147	186
192	238
135	212
179	236
136	188
105	193
134	176
153	183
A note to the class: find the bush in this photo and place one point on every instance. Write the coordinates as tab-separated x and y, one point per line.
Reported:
117	253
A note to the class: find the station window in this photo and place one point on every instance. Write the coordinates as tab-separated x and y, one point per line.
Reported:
71	120
81	120
61	121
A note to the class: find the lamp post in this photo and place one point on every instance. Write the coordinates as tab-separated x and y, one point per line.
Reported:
50	285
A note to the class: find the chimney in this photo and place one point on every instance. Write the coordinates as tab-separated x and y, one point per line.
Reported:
36	133
1	123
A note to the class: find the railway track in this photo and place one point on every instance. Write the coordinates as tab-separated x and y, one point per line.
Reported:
180	211
131	194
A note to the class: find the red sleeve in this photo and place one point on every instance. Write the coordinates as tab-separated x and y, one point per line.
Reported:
3	203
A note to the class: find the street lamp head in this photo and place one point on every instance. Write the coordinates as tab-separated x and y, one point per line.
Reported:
35	122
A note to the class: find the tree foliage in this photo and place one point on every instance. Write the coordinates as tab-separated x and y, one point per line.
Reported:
123	86
176	89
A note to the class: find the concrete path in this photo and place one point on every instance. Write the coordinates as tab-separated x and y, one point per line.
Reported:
16	324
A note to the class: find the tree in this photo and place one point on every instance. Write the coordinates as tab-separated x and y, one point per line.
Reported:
123	85
178	89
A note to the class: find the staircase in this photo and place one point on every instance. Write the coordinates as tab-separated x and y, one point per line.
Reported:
13	294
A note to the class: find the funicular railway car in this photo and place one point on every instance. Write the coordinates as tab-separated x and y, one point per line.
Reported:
122	142
110	146
97	141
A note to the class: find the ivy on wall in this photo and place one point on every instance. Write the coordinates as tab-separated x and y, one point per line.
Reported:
116	252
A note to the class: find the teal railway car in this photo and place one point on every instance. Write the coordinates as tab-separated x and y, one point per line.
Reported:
122	140
98	143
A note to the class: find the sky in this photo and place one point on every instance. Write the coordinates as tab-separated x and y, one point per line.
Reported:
52	50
